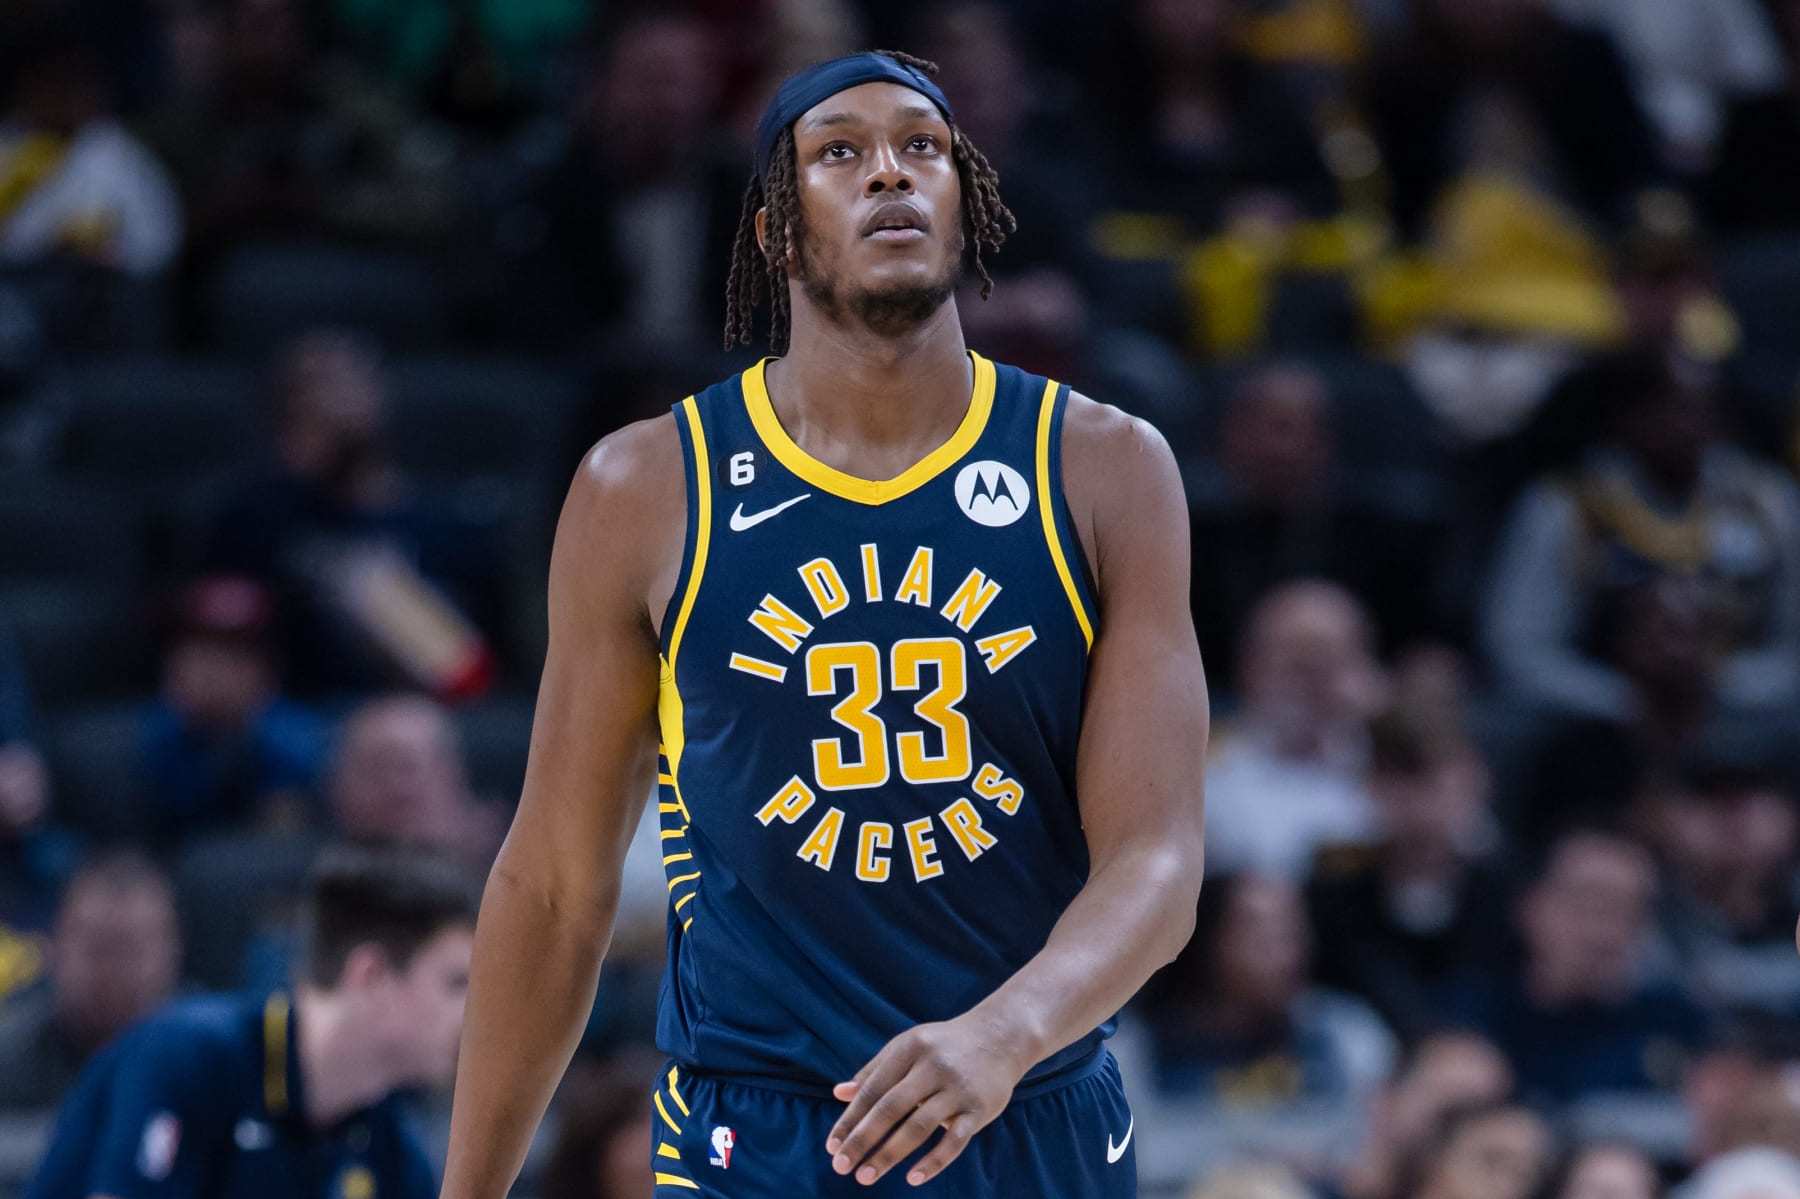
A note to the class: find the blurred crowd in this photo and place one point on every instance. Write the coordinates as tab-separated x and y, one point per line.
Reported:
1471	322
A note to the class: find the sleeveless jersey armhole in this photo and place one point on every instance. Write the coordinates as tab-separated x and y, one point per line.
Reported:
1059	526
697	533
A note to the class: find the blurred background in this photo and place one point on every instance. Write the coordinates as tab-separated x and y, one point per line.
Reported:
1475	326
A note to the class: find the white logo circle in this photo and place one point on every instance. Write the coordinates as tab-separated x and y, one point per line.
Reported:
992	493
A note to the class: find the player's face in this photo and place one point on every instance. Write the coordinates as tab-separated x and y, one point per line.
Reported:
432	991
882	206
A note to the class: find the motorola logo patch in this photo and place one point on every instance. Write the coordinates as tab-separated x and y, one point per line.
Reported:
992	493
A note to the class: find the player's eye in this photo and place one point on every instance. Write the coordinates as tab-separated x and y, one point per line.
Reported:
922	142
831	151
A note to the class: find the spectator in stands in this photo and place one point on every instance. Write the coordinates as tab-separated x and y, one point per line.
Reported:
1484	1151
1729	834
1605	1170
1441	1073
1039	311
1250	1181
238	1095
1577	1015
374	579
34	855
1202	136
631	233
480	65
1504	84
1287	776
603	1133
396	778
270	137
221	744
1741	1094
74	184
114	957
1280	507
1246	1054
1669	285
1593	768
399	778
1754	186
1667	494
1690	59
1751	1173
1401	920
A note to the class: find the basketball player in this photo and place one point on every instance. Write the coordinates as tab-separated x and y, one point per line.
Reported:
912	629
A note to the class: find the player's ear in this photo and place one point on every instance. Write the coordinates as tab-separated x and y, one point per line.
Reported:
762	230
366	964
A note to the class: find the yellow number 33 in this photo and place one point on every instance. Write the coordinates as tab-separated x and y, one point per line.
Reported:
834	770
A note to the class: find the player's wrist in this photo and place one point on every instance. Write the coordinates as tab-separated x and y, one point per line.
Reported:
1015	1032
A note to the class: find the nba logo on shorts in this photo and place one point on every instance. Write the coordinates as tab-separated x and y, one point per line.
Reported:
722	1141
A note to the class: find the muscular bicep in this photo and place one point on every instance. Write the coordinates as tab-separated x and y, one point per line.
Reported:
593	738
1144	729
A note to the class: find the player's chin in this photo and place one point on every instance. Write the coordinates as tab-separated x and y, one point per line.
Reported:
907	275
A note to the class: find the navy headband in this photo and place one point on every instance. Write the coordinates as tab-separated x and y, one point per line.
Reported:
827	79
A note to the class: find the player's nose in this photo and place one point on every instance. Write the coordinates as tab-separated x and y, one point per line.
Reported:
886	173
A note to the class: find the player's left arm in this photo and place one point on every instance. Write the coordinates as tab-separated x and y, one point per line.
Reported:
1138	783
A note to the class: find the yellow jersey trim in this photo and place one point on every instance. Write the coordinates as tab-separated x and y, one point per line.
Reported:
1047	511
667	1150
702	540
869	491
656	1097
668	699
675	1180
275	1054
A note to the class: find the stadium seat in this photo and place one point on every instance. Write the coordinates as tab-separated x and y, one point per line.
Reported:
23	1138
149	422
458	419
496	737
80	641
1761	278
262	294
96	754
232	888
52	529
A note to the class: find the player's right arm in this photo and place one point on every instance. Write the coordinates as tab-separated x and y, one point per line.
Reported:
547	913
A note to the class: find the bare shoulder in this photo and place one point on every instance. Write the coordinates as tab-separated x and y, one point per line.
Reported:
1118	471
624	519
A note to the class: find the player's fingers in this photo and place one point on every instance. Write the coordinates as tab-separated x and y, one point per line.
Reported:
956	1138
877	1075
908	1135
879	1119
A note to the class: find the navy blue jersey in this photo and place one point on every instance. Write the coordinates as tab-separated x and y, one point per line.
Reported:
870	704
205	1101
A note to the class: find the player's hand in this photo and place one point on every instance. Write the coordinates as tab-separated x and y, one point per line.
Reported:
956	1075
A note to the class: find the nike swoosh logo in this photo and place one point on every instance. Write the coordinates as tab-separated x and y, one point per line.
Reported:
740	522
1115	1152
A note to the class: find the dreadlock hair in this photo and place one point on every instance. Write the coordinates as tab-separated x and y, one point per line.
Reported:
756	274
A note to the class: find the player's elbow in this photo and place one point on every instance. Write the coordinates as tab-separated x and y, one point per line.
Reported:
551	900
1174	873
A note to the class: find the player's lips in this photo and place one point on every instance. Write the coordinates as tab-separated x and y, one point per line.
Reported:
896	220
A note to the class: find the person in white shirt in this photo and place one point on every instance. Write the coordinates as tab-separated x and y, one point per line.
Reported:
73	182
1288	776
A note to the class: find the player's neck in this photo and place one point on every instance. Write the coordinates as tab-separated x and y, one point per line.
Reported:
842	385
342	1072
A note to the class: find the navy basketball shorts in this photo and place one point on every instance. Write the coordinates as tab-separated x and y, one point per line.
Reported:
714	1138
